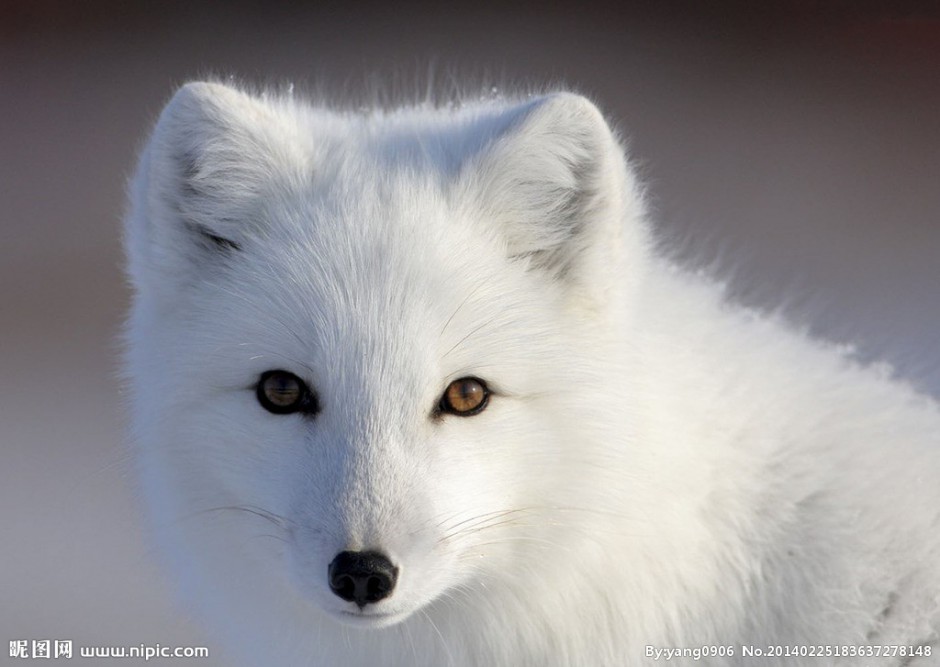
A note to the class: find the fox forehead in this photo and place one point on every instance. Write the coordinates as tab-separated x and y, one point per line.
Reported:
371	295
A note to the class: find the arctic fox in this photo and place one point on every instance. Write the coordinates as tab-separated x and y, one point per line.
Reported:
416	386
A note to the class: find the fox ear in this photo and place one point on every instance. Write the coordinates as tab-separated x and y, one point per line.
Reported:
198	185
556	181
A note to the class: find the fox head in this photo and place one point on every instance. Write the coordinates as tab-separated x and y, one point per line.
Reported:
366	351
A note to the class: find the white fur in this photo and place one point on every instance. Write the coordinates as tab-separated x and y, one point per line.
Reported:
656	467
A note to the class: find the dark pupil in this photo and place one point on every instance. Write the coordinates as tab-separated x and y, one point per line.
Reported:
282	389
467	395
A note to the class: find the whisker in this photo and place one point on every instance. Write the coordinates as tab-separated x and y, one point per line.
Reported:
450	657
477	520
486	526
470	334
462	304
276	519
524	538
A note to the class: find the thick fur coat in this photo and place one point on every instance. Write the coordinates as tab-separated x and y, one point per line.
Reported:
654	468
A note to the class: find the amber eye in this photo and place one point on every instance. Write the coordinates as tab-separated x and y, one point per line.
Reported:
465	397
281	392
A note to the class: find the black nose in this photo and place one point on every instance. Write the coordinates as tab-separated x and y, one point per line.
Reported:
362	576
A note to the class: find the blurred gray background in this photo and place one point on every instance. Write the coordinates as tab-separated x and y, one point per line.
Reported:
798	145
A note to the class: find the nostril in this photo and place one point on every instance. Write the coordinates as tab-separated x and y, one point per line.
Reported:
344	586
377	587
362	577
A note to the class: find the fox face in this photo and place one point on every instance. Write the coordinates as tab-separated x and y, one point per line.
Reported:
358	343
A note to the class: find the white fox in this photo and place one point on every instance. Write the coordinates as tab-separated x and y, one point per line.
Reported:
416	387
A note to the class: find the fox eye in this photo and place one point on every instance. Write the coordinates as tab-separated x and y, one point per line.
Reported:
465	397
281	392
